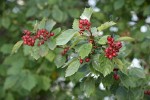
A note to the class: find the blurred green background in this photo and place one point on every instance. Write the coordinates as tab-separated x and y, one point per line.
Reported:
23	78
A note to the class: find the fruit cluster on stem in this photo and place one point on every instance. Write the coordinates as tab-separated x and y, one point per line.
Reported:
28	39
42	35
113	48
84	24
116	76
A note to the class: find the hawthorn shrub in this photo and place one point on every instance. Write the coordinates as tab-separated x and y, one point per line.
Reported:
86	59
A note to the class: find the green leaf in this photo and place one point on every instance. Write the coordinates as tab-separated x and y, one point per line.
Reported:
27	50
51	44
103	40
9	96
59	60
119	63
96	62
49	24
125	39
84	50
106	25
50	56
87	13
108	80
56	31
35	52
44	82
118	4
139	2
127	81
89	86
94	31
6	48
16	47
43	50
14	70
65	36
121	93
6	22
42	24
57	14
31	11
69	62
102	64
29	82
146	11
72	68
74	13
75	25
10	82
137	72
77	76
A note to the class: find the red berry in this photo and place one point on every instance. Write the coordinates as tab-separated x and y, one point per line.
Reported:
110	48
87	59
116	76
89	24
47	33
81	21
33	41
52	34
87	27
114	54
65	50
45	38
42	42
81	61
80	26
117	50
44	35
24	42
109	38
110	57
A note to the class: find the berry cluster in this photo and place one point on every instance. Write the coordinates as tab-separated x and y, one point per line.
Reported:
41	34
28	39
147	92
113	48
84	24
64	51
116	76
86	60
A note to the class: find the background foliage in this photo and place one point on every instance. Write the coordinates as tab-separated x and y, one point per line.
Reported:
22	77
